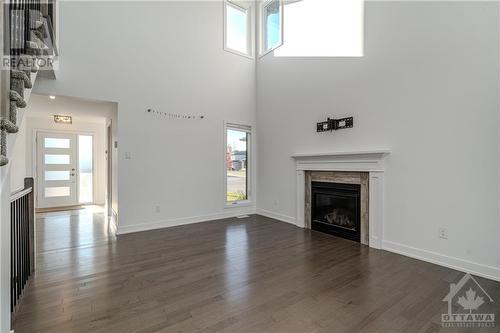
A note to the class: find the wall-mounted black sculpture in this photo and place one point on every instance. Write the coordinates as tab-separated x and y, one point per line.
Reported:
335	124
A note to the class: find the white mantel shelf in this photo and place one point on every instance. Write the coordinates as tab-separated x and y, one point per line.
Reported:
371	161
362	160
379	152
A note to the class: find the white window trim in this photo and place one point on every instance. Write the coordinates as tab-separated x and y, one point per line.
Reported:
248	8
249	200
262	5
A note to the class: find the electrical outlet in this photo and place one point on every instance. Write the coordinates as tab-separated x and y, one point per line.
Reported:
157	209
443	233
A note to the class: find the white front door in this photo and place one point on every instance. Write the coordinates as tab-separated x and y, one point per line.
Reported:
57	172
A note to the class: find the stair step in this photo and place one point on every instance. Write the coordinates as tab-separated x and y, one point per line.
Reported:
3	160
3	147
8	126
19	81
15	97
27	63
13	112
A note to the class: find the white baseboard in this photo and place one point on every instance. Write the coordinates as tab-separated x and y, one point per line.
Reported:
277	216
233	212
489	272
114	220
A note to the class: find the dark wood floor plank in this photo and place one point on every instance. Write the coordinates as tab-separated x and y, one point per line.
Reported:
233	275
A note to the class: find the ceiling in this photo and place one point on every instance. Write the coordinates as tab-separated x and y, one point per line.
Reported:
80	109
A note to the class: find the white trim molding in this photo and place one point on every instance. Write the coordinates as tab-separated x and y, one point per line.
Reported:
277	216
489	272
371	161
146	226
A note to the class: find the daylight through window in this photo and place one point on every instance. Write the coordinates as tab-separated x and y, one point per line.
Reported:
272	28
237	162
322	28
237	28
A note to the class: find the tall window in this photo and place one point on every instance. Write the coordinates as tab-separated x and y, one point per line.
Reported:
237	163
271	25
237	28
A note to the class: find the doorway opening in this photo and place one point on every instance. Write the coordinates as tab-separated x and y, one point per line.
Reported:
70	160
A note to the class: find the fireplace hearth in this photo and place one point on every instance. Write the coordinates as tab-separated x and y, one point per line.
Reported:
335	209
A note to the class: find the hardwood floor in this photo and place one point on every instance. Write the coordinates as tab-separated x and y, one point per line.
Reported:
233	275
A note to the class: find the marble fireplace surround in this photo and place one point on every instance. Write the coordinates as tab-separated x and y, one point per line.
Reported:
344	165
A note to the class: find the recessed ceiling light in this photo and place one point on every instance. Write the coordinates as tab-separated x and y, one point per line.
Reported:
52	97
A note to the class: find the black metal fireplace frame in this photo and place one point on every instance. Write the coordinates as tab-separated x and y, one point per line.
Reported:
342	190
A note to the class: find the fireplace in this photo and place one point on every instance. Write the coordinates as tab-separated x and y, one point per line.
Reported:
365	168
336	209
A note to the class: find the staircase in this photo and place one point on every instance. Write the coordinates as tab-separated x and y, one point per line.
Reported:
29	25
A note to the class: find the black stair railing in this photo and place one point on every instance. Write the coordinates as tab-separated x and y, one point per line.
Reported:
22	257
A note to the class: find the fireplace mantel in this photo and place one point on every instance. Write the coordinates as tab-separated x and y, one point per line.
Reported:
366	160
371	161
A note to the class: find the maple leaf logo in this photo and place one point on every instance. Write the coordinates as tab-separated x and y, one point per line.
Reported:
470	301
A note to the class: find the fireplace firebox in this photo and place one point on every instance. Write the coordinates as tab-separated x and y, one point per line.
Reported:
335	209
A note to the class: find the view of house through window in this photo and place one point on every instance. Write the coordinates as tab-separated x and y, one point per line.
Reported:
237	164
85	166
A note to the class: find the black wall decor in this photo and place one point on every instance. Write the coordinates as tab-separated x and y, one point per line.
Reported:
174	115
335	124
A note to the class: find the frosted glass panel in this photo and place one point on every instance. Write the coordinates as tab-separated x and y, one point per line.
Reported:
56	175
61	191
56	159
56	143
85	167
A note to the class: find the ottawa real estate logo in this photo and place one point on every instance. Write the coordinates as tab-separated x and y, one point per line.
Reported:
468	305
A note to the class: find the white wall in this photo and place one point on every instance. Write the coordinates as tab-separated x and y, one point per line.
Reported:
428	88
428	68
18	158
172	61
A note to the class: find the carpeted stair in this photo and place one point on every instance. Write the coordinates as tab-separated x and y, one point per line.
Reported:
20	80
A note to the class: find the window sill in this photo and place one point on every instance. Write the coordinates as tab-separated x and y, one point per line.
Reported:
245	55
236	204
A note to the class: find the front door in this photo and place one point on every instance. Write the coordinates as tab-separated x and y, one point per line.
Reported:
57	169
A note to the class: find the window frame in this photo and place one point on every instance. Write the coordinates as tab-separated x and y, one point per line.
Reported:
248	9
263	30
248	130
